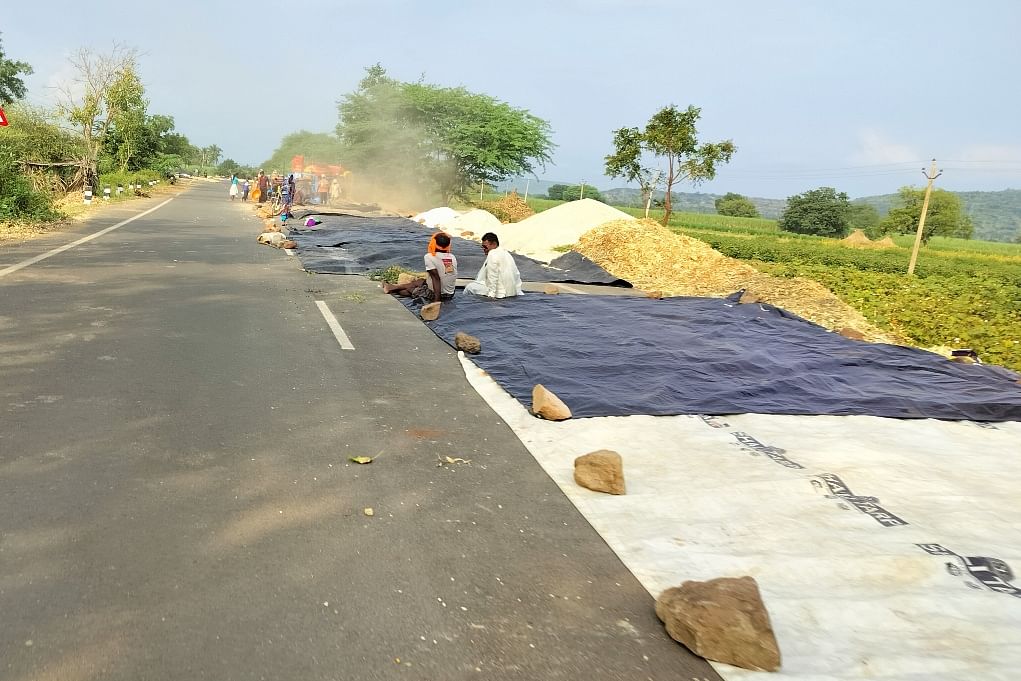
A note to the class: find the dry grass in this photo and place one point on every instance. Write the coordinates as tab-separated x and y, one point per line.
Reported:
655	259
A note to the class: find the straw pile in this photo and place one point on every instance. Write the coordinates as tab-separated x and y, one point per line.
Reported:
857	239
655	259
511	208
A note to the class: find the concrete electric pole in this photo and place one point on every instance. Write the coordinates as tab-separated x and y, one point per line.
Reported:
930	176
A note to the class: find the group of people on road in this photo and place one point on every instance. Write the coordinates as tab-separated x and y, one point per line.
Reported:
497	278
287	191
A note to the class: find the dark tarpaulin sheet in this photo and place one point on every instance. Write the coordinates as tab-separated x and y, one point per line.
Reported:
615	356
358	245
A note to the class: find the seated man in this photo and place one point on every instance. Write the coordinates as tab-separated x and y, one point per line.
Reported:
441	269
499	276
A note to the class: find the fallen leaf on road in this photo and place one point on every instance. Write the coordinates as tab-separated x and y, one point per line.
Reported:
369	512
362	459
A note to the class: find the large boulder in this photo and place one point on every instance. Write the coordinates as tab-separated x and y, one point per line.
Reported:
724	620
548	406
467	343
600	471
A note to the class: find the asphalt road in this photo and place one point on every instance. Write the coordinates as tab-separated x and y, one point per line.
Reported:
176	500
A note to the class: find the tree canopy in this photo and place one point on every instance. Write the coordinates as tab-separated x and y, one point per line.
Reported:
437	138
736	205
823	212
670	134
12	87
945	217
316	147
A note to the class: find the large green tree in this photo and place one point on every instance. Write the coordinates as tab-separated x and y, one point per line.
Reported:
573	192
437	138
12	87
946	216
823	212
736	205
670	134
316	147
865	217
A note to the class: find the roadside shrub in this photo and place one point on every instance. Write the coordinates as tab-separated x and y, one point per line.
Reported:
19	200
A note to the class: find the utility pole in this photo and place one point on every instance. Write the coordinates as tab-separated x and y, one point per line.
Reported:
582	190
930	176
528	181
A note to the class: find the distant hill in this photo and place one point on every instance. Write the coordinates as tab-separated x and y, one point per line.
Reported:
997	215
691	202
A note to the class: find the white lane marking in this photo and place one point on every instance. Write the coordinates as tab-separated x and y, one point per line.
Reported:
90	237
345	342
571	289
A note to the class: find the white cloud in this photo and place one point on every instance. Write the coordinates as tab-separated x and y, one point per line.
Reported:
876	149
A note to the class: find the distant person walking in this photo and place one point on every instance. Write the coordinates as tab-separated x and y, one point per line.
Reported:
233	187
245	189
262	184
324	191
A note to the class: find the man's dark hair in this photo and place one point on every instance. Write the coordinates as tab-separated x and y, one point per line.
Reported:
491	238
443	240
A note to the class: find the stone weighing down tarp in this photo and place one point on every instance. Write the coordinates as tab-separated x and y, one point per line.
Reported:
617	356
359	245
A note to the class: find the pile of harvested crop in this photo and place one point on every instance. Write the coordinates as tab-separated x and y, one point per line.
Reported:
656	259
511	208
858	239
539	236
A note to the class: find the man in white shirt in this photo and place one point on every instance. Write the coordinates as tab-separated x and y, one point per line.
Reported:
499	276
441	270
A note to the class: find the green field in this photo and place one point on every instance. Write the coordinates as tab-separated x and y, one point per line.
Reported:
964	293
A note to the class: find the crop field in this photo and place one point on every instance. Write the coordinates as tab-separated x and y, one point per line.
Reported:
965	294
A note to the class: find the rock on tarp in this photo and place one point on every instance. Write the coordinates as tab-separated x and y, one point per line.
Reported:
617	356
359	245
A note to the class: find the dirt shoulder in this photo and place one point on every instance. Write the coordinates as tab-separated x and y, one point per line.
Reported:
76	212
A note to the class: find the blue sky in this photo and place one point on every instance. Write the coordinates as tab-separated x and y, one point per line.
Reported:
855	95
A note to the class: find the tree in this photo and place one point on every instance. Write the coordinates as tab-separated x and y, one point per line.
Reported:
822	211
12	87
104	92
626	162
669	134
228	167
946	215
211	155
556	191
316	147
865	217
418	135
573	193
736	205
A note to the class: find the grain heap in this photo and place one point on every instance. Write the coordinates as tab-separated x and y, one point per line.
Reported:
537	236
436	216
472	224
511	208
857	239
655	259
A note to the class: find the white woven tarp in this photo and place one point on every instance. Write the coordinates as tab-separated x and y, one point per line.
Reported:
884	549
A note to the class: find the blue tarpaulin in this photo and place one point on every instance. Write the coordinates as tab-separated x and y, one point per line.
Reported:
615	356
